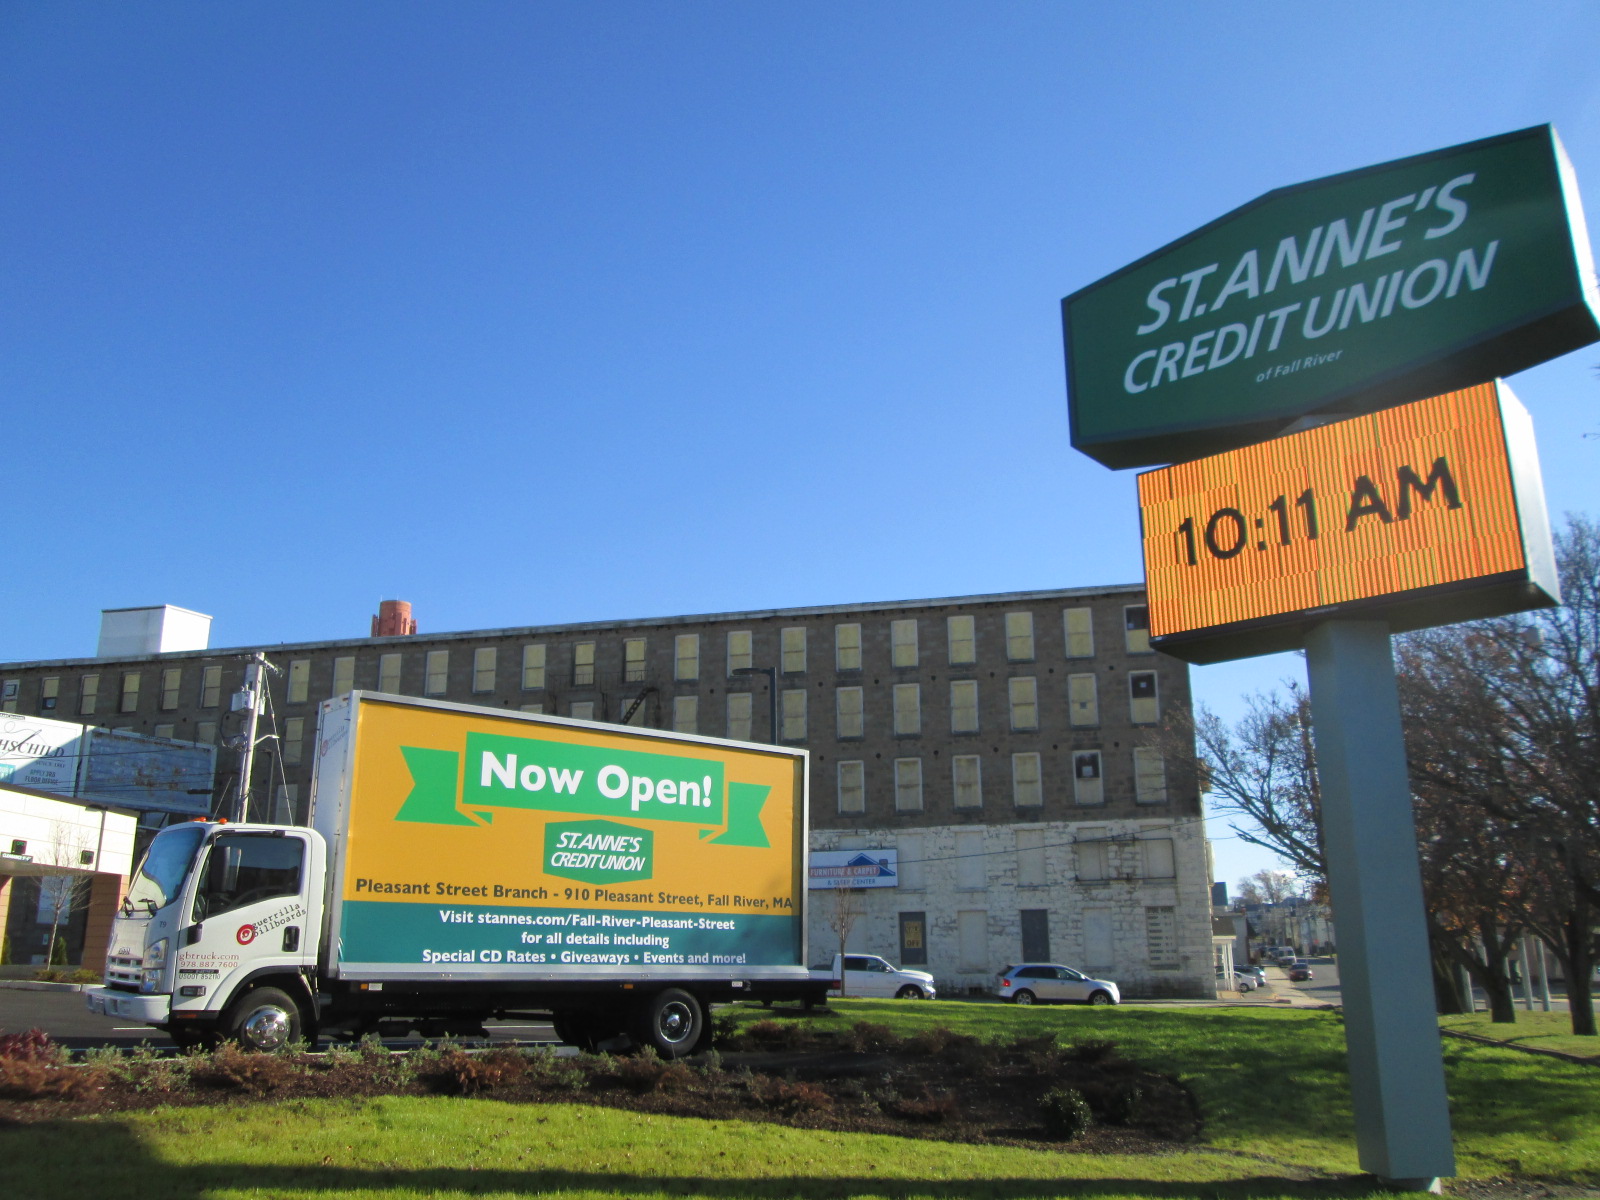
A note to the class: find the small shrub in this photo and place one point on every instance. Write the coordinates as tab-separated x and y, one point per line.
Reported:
1123	1104
544	1069
647	1072
259	1074
34	1046
1066	1113
789	1096
864	1037
724	1028
35	1079
461	1073
940	1042
931	1107
1094	1053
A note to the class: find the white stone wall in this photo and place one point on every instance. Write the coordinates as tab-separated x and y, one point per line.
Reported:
946	870
56	832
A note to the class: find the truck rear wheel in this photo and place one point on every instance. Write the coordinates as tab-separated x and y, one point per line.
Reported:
264	1019
671	1021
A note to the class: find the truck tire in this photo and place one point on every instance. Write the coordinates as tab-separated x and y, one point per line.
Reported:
670	1021
263	1019
910	992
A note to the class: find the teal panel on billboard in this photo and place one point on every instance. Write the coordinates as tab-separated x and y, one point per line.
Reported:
1343	295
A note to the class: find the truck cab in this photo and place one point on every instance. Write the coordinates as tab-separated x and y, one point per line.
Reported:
218	935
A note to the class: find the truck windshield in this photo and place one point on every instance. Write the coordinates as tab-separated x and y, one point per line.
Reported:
166	865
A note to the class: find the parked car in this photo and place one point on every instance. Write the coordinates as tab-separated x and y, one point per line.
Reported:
1299	972
869	975
1236	981
1257	976
1052	983
1287	958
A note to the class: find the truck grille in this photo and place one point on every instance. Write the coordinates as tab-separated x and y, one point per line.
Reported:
123	972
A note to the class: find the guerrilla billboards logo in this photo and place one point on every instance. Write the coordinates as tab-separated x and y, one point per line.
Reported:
597	851
499	771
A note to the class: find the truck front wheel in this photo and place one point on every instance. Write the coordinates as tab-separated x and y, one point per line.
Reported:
263	1019
670	1021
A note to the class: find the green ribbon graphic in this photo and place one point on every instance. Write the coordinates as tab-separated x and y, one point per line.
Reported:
436	786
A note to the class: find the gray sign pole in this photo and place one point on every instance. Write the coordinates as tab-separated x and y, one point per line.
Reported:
1370	841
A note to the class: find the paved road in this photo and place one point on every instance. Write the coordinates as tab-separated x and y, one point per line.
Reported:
64	1017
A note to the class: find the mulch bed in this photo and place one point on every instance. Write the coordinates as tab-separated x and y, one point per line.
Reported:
860	1079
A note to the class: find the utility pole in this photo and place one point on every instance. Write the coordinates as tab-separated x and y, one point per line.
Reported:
251	698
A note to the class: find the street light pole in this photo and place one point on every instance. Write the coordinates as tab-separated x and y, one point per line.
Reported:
772	696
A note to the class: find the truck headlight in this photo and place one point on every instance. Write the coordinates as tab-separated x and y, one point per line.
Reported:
155	957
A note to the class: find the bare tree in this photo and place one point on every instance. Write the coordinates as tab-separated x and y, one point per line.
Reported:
1503	720
843	908
60	895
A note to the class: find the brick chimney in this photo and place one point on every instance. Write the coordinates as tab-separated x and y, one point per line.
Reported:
394	620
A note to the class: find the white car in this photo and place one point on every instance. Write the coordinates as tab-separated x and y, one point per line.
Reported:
869	975
1052	983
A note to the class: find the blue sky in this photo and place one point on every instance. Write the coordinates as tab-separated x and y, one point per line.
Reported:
536	312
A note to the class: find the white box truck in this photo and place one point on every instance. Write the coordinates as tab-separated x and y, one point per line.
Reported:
464	864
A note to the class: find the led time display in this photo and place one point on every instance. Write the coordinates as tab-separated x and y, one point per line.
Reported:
1420	499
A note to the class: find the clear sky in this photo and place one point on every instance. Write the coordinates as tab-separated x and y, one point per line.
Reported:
540	312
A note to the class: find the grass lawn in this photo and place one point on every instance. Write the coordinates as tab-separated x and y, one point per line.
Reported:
1548	1031
1271	1083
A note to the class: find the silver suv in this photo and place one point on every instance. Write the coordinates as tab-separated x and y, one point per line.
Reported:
1052	983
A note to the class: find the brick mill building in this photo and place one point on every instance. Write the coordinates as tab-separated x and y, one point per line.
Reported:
1014	751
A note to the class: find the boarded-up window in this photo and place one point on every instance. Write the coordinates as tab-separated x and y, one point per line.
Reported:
739	709
1030	858
50	691
299	680
848	712
483	669
972	941
1024	696
164	731
583	710
210	687
436	673
911	875
1099	954
1158	860
389	673
847	647
344	674
1087	785
294	736
794	715
583	664
903	642
1136	621
88	694
966	776
686	656
908	785
1027	784
962	632
1143	708
1019	636
633	668
205	732
1149	776
913	938
1091	852
1035	924
1083	701
907	708
852	787
171	686
740	651
685	714
972	868
533	662
964	706
794	650
1078	625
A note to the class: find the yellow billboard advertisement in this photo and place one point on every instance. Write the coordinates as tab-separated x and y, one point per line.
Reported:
491	842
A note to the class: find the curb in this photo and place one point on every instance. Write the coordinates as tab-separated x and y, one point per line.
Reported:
35	985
